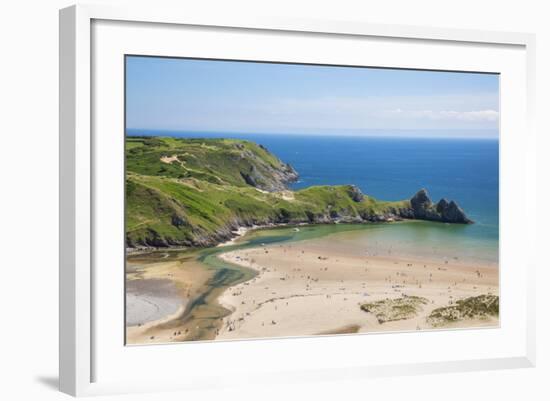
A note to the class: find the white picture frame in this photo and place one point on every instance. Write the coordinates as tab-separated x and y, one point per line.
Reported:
80	153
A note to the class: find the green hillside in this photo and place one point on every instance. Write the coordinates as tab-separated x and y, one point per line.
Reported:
218	161
195	192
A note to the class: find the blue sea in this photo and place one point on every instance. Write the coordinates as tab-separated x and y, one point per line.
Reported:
391	168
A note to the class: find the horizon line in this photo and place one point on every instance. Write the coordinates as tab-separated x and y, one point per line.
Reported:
330	134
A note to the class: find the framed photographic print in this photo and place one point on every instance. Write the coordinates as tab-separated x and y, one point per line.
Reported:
290	200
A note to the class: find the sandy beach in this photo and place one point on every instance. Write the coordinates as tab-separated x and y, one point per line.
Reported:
157	295
318	287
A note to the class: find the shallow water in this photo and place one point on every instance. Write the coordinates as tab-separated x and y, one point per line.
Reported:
204	314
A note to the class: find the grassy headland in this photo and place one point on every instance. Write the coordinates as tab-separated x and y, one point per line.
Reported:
197	192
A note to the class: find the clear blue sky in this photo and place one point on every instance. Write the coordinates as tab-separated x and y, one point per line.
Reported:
227	96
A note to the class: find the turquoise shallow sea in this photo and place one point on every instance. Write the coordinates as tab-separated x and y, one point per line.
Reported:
395	168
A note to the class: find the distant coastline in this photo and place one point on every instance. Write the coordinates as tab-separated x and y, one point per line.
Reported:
385	134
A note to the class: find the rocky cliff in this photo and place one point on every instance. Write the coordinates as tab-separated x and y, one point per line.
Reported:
423	208
197	192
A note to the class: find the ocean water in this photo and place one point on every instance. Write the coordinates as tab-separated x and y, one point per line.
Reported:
465	170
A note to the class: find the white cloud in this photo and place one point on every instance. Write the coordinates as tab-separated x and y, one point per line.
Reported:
449	115
428	111
335	113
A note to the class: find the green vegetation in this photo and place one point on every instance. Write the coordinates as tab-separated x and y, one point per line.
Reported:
481	307
388	310
219	161
195	192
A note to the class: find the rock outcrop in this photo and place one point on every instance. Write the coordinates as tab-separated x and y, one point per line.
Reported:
444	211
178	221
268	178
355	193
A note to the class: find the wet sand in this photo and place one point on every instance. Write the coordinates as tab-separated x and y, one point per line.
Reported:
160	290
317	286
148	300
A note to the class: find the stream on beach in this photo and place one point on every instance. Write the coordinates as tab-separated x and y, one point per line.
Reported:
203	314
